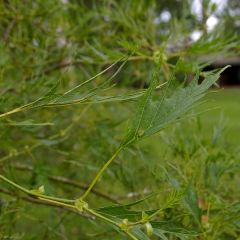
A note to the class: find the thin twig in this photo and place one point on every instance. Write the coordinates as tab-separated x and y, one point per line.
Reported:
42	202
72	205
34	193
91	211
64	180
58	202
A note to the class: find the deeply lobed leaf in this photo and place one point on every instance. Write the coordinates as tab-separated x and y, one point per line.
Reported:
152	116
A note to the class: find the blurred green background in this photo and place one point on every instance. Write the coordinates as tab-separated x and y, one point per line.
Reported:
44	43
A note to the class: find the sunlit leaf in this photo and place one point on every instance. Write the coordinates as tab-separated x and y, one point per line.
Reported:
154	115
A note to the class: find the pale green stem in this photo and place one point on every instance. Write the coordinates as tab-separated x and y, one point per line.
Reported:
66	203
32	193
131	236
155	214
11	112
58	203
101	216
91	211
100	172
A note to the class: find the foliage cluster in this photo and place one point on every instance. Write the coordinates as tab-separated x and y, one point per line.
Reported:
85	88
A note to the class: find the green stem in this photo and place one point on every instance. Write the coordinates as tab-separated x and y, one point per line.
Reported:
38	195
154	214
131	236
66	203
99	174
96	214
59	203
137	223
11	112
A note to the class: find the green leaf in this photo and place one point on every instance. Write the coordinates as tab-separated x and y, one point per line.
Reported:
124	211
152	116
141	119
171	228
82	93
160	233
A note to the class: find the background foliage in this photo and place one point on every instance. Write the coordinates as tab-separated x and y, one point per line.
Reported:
186	176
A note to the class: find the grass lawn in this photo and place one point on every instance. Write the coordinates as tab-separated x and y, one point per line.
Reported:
218	107
225	103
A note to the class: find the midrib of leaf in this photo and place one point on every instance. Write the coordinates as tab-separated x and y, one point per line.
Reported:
161	102
132	134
